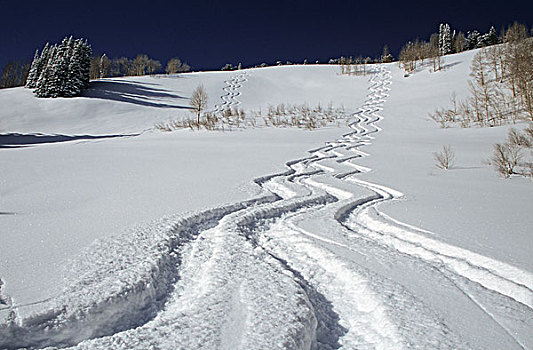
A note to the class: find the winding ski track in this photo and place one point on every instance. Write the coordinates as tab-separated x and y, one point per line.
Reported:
232	91
310	264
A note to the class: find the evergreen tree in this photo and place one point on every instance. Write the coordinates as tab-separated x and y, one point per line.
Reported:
74	83
61	70
37	67
85	63
445	39
34	73
42	86
492	36
472	40
488	39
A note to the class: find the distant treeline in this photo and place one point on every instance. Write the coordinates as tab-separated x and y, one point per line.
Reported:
16	73
104	67
446	41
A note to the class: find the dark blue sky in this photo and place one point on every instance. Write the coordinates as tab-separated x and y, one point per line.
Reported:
208	34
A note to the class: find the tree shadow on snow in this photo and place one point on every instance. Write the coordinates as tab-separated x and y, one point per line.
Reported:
24	140
131	92
427	64
450	65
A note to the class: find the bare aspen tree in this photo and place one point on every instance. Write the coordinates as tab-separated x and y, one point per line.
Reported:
342	65
365	62
433	53
516	33
14	74
153	66
359	66
121	66
459	42
445	159
386	56
94	71
522	68
139	64
175	65
199	101
481	88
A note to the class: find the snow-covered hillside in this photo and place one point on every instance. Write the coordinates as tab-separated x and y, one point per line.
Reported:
116	235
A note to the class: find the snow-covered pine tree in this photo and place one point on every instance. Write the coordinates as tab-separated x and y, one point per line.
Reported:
445	39
488	39
85	63
74	80
33	74
42	86
72	85
63	70
37	67
472	39
441	37
493	36
59	71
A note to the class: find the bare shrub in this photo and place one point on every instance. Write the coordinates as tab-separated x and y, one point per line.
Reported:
300	116
529	132
505	158
282	115
445	159
519	139
445	117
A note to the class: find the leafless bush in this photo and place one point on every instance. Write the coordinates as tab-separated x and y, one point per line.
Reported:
519	139
445	117
505	158
300	116
511	157
282	115
445	159
210	121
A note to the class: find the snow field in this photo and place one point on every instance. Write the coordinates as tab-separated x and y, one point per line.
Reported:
310	262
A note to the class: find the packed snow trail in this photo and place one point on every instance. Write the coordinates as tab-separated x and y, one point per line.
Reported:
309	264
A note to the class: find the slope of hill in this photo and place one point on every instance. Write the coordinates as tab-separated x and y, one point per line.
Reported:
108	241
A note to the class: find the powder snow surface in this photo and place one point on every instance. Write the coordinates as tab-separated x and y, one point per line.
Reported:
115	235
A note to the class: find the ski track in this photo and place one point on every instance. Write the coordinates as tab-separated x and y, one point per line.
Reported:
309	264
229	99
